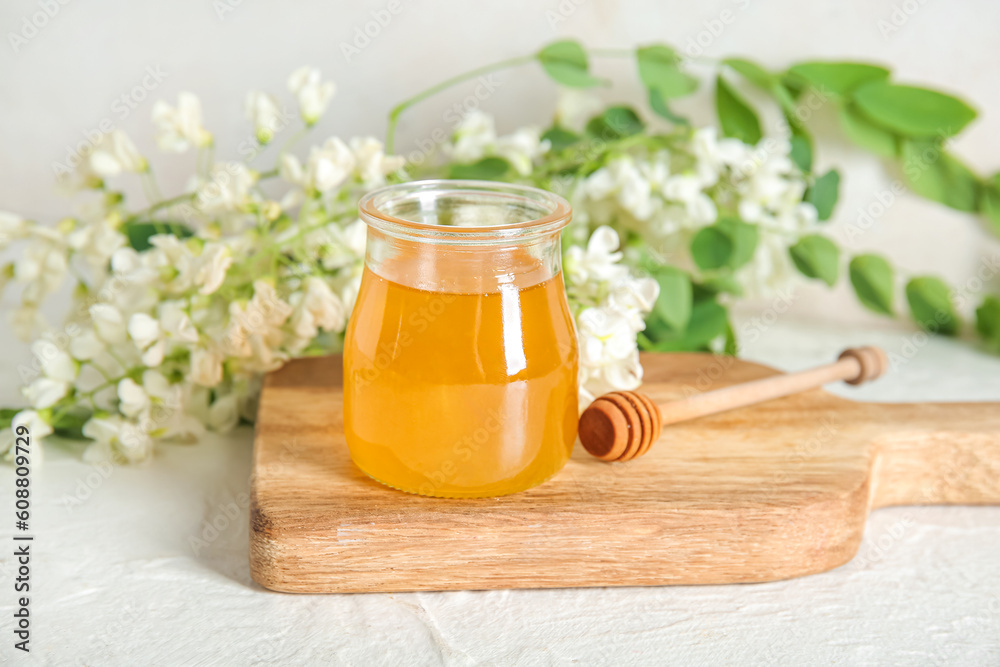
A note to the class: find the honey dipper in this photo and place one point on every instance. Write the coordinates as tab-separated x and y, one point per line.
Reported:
624	424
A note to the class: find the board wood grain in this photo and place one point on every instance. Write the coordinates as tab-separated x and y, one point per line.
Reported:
772	491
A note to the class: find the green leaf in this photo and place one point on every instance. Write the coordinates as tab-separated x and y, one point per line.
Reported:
989	204
659	70
661	109
732	347
912	111
560	138
487	169
872	279
823	193
139	233
752	72
7	416
711	248
744	240
867	134
933	173
801	148
816	256
735	115
988	322
615	123
70	424
566	63
674	302
708	321
931	306
838	78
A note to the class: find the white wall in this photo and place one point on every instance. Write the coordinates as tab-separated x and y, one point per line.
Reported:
66	79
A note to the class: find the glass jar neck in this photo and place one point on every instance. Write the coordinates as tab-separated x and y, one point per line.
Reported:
463	236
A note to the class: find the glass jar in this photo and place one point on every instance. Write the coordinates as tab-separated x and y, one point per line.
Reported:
460	358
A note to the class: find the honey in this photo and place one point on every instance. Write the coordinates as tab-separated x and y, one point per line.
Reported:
460	357
460	395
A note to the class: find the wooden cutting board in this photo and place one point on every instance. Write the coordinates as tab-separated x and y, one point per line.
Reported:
773	491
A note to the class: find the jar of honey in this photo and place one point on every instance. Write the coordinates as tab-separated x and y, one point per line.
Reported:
460	358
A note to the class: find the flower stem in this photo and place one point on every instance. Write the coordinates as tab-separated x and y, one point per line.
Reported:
397	111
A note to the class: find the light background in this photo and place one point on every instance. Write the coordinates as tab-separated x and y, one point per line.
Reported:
66	79
926	595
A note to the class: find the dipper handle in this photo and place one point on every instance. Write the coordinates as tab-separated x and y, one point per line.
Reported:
623	425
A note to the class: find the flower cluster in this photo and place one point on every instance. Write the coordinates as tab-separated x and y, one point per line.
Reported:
180	307
610	306
666	195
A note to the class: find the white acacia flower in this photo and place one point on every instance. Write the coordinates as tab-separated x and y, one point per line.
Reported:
12	227
179	128
609	358
313	94
687	189
37	427
133	399
145	333
223	414
598	261
371	162
41	268
206	367
575	107
109	323
115	153
97	242
329	166
227	189
634	298
264	112
316	307
255	330
116	436
211	267
474	137
45	392
522	148
55	363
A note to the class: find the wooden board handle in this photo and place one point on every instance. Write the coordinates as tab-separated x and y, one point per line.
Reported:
937	453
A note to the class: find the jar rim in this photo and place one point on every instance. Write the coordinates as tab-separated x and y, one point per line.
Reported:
371	205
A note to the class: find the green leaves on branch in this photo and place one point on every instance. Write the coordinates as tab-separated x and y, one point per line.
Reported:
866	134
730	243
487	169
616	122
817	257
912	111
874	283
931	305
659	70
735	115
932	173
823	193
673	305
988	322
139	233
566	63
839	78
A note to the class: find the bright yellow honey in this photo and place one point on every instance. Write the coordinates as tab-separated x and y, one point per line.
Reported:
460	394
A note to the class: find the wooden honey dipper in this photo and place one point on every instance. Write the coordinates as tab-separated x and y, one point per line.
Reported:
624	424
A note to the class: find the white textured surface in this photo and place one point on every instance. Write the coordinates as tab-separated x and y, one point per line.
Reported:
118	580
